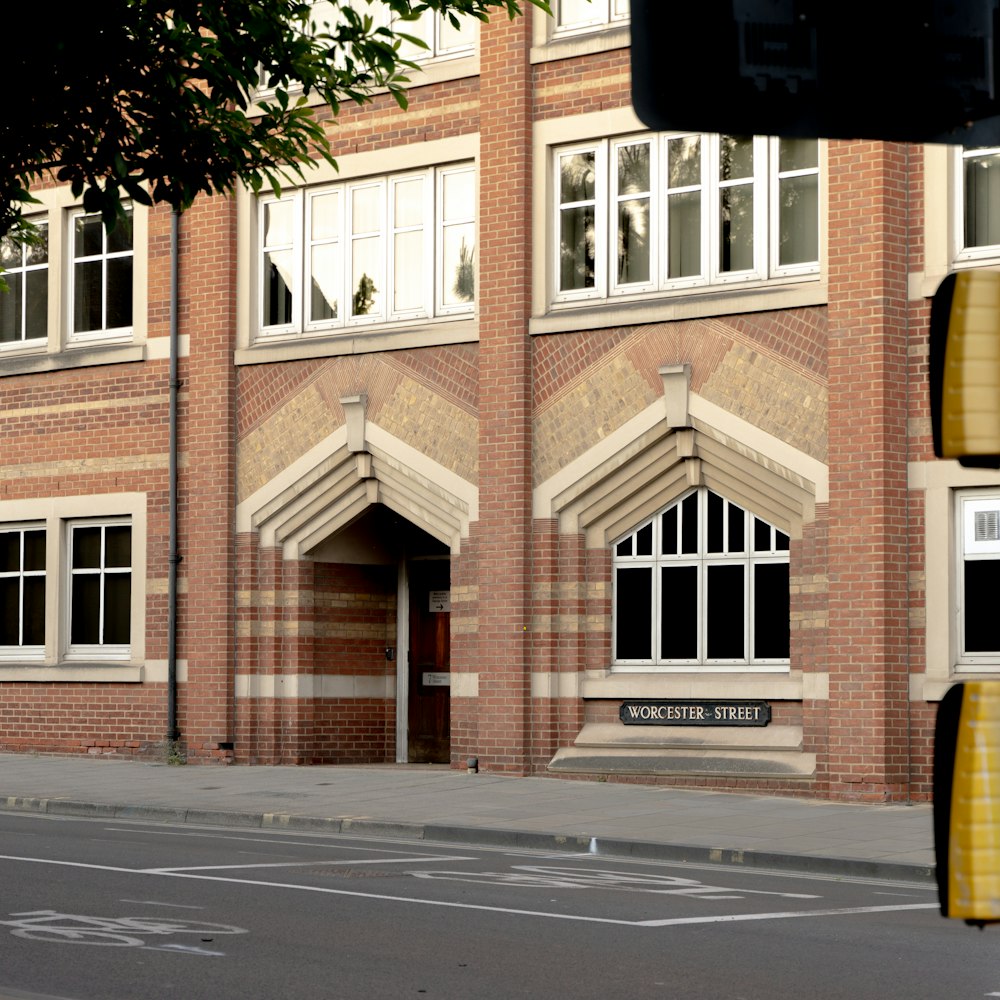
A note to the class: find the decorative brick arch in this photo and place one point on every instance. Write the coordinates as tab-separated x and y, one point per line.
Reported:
681	442
357	466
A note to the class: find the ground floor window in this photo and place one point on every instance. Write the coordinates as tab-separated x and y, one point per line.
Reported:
978	578
100	587
702	583
22	590
72	584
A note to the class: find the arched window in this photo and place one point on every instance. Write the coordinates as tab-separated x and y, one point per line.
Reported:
702	583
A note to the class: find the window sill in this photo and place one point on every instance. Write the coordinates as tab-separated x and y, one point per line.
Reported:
583	42
84	673
31	362
604	313
787	686
358	341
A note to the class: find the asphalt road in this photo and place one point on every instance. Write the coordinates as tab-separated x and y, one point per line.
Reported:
99	910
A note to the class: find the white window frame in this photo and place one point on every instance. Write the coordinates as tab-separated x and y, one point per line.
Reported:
105	257
101	650
701	560
57	207
765	182
961	253
604	13
23	269
20	650
431	307
969	504
60	660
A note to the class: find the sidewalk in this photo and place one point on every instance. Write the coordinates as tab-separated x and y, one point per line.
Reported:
439	804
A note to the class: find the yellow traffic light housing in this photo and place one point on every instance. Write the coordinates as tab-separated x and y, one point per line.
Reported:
965	368
967	802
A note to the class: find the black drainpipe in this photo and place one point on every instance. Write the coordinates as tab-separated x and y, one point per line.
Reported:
173	734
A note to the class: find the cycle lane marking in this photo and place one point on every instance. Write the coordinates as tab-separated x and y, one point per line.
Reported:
446	904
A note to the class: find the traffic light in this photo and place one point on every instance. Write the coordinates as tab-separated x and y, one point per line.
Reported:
967	802
964	363
905	70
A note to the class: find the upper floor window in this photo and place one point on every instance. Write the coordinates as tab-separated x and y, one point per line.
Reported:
101	277
703	583
441	38
375	250
981	203
657	212
572	15
24	308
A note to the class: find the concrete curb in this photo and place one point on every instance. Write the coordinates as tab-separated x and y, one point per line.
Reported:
484	836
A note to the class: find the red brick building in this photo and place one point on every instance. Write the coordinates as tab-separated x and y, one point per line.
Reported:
529	436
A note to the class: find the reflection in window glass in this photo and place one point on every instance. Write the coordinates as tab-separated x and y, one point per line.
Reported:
982	197
24	309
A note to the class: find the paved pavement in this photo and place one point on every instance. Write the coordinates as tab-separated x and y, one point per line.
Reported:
440	804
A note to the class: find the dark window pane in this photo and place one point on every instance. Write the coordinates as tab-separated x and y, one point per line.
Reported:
118	545
10	310
86	548
87	297
736	224
982	584
689	524
277	296
668	532
624	547
85	610
89	236
576	248
10	610
117	608
34	550
679	612
34	611
577	175
714	523
36	308
780	541
10	551
119	292
725	613
120	238
761	535
736	520
634	613
644	540
770	614
38	253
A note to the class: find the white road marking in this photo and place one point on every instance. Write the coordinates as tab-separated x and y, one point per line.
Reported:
737	917
299	864
326	890
154	902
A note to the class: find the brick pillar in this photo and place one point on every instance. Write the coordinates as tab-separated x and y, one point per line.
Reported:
867	458
207	478
503	533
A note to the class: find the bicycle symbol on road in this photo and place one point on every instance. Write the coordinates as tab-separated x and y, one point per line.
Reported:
544	877
121	932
